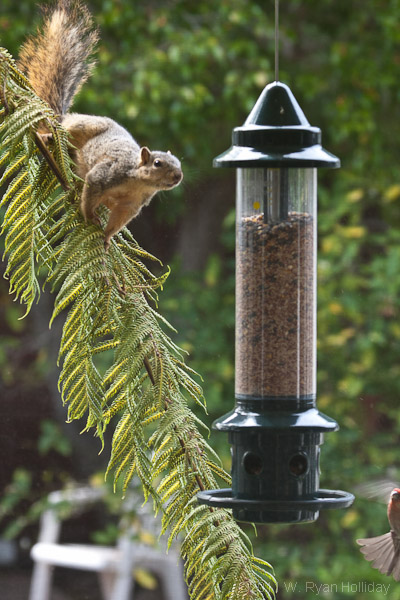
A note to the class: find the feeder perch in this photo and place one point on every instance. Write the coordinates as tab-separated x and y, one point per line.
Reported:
275	429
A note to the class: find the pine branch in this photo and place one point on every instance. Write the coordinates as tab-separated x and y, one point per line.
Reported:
50	161
111	319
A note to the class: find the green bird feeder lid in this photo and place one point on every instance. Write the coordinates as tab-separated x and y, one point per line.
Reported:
276	134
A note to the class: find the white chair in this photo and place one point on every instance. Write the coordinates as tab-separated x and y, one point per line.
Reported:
115	565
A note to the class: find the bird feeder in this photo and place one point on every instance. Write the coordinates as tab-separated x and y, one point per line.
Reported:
275	429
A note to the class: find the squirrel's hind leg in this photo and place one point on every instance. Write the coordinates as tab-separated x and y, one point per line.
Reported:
93	191
83	128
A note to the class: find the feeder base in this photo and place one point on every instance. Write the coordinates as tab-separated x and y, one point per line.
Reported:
276	511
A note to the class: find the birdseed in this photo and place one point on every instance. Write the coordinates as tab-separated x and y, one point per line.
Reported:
275	314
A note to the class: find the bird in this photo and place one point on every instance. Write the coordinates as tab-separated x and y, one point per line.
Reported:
384	550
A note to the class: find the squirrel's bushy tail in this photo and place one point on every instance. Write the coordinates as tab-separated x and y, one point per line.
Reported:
57	60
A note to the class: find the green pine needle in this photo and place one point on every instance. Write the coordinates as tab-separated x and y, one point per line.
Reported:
117	361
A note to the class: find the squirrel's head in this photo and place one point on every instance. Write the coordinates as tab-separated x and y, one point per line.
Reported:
162	170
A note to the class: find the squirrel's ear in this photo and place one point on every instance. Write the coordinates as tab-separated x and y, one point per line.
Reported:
144	156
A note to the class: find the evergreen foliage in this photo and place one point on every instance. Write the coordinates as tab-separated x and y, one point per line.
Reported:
186	74
109	300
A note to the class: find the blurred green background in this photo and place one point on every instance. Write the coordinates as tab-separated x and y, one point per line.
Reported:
179	75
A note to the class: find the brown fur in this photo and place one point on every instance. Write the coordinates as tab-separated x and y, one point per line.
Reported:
57	59
116	171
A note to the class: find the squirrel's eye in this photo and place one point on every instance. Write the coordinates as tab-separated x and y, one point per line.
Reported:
157	163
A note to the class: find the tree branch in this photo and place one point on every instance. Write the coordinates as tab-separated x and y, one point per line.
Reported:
50	161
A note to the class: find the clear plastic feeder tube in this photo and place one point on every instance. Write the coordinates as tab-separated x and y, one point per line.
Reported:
276	283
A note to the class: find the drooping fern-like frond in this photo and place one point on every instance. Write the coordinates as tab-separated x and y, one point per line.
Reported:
117	361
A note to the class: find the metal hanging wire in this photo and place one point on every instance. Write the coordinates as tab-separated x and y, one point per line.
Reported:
276	40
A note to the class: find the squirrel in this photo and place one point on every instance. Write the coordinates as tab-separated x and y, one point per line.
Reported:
116	171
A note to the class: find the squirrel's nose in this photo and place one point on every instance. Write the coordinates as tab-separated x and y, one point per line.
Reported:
178	177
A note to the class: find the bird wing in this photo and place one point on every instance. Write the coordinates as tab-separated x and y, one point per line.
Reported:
379	489
384	551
